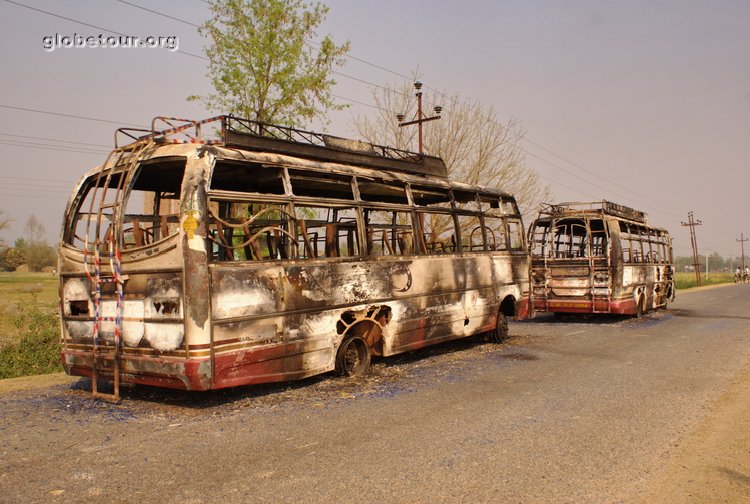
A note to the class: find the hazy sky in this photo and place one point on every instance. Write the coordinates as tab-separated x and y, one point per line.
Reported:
651	96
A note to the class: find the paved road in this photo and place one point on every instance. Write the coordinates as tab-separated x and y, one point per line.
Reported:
573	411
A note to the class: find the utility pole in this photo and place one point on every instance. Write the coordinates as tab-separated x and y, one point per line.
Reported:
742	241
706	263
420	117
691	223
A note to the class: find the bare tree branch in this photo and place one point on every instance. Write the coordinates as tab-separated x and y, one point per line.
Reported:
475	145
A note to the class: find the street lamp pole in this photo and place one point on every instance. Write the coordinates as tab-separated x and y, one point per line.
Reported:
420	118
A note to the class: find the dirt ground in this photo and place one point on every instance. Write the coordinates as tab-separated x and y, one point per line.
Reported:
712	464
709	465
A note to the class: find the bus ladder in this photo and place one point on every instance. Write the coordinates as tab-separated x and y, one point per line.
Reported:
601	285
121	162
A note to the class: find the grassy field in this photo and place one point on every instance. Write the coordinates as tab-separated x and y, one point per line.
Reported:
37	290
29	326
685	280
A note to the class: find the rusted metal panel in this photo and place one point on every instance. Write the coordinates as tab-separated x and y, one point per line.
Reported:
598	207
423	300
418	165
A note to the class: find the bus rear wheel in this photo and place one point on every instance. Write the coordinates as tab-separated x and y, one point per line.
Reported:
500	333
353	357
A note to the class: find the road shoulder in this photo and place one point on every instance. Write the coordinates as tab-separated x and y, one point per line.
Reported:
712	464
35	382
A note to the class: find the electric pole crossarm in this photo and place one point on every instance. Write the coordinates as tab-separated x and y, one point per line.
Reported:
420	117
417	121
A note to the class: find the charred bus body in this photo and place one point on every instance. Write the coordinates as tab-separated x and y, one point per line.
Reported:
599	257
270	254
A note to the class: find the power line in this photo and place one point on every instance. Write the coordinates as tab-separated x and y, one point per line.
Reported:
357	102
52	148
26	143
92	26
591	172
349	56
159	13
564	186
585	180
25	109
63	17
368	105
54	140
569	172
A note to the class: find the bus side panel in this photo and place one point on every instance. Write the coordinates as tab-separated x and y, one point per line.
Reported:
280	322
515	283
447	297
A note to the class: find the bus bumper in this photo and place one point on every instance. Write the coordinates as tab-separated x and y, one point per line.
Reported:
615	307
183	374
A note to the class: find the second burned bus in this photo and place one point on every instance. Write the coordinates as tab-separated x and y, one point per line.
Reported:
599	257
272	254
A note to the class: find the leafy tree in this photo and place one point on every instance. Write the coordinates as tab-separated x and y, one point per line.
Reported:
715	262
12	259
39	255
262	65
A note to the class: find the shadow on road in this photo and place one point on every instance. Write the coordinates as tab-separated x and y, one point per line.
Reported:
387	377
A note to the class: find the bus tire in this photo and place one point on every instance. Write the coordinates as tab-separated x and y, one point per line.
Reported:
500	333
353	357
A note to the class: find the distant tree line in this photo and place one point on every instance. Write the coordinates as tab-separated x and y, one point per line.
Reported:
716	263
31	250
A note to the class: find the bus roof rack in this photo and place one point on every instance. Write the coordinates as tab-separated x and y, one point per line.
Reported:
259	136
603	206
253	135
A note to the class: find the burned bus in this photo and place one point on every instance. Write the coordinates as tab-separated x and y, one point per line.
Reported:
261	253
599	257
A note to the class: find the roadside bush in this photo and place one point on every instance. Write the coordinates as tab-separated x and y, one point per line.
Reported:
11	259
39	255
35	348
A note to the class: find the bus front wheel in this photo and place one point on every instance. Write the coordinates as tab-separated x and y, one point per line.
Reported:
353	357
500	332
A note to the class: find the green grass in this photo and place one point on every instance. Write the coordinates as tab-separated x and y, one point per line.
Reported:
685	280
29	324
44	285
